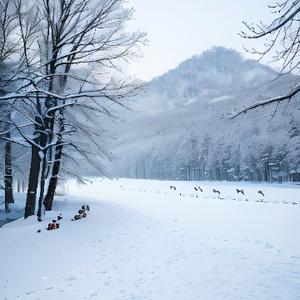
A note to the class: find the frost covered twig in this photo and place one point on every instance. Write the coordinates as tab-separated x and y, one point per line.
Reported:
293	92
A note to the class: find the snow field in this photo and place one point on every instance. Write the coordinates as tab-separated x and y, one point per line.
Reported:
142	240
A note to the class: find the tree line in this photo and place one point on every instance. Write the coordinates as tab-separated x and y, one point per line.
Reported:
219	160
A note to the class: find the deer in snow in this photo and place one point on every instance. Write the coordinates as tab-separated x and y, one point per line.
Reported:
260	192
216	192
240	191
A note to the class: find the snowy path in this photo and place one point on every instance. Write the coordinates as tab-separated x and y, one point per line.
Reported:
143	241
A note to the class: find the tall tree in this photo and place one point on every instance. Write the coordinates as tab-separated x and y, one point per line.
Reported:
73	51
8	48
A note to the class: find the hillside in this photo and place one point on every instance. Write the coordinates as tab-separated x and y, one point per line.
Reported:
183	128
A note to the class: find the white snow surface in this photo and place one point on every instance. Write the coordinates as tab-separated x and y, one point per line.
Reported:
142	240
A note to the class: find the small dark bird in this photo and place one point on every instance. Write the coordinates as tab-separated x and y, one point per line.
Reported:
87	208
195	189
199	188
59	217
216	191
172	187
82	207
260	192
240	191
39	231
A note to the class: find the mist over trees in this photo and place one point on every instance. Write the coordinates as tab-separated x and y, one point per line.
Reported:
264	158
186	131
61	67
220	161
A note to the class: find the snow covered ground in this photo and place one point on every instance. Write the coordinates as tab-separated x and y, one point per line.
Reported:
142	240
17	209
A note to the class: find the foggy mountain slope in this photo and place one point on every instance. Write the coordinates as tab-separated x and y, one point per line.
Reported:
184	120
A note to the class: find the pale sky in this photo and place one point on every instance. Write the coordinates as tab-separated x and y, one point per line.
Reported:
180	29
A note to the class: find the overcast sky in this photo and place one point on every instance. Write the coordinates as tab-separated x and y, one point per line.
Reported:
179	29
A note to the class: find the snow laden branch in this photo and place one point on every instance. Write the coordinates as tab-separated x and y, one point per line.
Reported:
292	93
281	38
291	8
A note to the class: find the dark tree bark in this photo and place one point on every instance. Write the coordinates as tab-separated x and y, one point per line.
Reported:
8	176
19	186
23	186
35	169
42	186
48	202
33	182
35	165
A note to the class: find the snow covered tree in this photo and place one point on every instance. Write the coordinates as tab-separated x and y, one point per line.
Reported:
8	48
72	54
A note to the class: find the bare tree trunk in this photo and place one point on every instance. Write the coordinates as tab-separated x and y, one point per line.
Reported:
42	186
35	165
8	176
19	186
48	202
33	182
23	186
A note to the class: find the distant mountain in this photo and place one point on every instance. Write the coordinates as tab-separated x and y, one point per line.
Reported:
183	129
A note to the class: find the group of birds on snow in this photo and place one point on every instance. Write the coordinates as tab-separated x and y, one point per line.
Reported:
199	189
